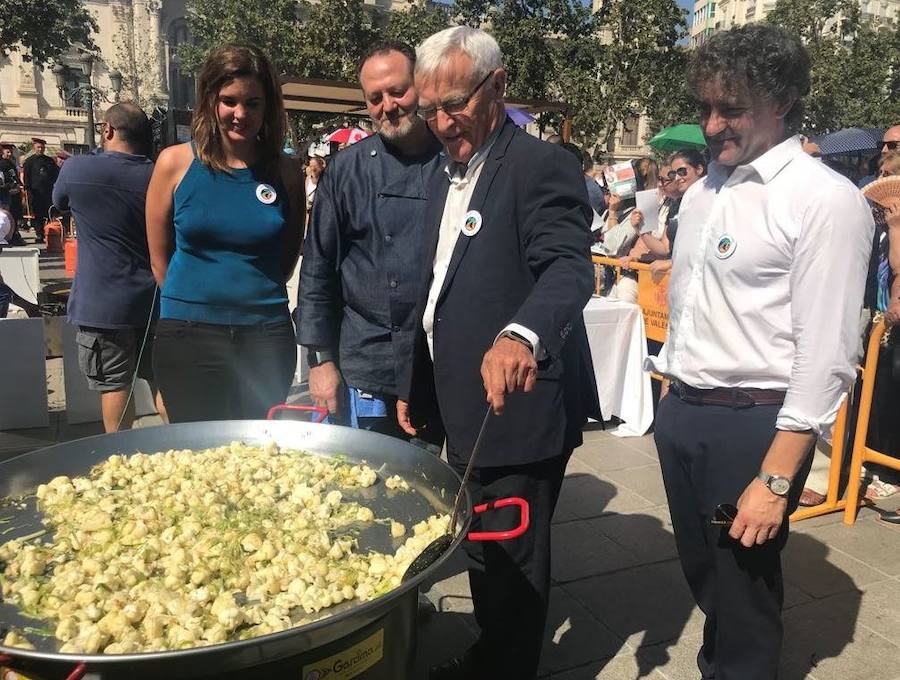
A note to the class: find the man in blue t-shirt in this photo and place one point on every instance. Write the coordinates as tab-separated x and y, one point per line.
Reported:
113	296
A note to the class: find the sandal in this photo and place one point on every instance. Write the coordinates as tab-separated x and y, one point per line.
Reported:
890	517
809	498
878	489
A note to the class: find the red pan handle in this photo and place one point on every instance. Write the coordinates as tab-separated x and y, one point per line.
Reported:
502	535
76	674
322	413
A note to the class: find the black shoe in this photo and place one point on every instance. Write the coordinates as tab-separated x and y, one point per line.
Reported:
463	667
891	517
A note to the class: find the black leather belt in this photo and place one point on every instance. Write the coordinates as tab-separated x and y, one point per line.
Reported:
733	397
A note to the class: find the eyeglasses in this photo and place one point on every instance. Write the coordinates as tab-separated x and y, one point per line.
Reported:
98	127
678	172
452	107
890	146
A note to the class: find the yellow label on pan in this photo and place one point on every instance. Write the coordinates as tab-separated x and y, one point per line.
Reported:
348	663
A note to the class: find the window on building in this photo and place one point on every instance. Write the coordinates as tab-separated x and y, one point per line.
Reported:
712	9
76	87
76	149
181	85
630	130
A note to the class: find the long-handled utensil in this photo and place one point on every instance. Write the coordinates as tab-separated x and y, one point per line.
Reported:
440	545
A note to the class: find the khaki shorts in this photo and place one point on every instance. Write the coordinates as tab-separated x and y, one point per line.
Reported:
107	356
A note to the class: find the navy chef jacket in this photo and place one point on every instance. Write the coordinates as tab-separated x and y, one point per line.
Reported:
363	259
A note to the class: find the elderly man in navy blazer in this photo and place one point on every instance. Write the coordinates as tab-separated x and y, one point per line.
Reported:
501	323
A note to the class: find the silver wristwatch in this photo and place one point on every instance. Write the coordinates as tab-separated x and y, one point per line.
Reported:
777	484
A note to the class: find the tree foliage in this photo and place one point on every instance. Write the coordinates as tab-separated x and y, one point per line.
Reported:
628	65
417	22
855	64
43	29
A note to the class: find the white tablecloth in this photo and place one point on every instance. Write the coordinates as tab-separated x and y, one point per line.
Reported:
615	331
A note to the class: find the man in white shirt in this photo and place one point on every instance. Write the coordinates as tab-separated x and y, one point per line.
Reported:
764	301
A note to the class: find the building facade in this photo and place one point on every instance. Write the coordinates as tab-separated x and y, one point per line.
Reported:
710	16
138	39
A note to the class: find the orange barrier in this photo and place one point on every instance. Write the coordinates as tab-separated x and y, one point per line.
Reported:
832	502
652	297
861	453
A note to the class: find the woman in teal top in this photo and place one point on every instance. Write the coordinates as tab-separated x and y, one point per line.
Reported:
224	224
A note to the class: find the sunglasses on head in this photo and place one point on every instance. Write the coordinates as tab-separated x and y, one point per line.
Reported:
679	172
890	146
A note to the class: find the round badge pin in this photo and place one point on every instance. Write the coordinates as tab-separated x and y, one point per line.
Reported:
266	194
472	223
725	247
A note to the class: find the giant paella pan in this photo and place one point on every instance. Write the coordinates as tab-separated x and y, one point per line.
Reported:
372	639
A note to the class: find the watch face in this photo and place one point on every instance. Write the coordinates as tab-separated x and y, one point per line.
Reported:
780	486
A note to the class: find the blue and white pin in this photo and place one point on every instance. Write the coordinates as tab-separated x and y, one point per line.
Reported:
265	193
726	246
472	223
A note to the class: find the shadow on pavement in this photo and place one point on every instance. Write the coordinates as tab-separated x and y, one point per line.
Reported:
619	592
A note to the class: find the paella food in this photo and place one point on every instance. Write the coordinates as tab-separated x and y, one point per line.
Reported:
184	548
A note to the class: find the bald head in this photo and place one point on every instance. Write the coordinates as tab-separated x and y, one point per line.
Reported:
128	128
891	139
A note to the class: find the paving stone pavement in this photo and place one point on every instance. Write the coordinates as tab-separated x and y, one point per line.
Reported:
620	609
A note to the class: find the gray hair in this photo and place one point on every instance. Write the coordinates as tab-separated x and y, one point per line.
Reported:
478	45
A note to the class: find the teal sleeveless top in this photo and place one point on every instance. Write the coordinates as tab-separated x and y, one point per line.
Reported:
229	230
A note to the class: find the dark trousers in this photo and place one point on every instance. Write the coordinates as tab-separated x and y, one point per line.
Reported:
218	372
510	580
708	455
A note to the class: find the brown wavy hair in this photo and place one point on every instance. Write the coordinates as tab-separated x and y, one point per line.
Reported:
221	67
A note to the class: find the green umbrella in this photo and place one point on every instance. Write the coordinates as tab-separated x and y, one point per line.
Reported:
679	137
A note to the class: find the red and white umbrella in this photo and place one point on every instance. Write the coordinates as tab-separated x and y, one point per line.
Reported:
347	135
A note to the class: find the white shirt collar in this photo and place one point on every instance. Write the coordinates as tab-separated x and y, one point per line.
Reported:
477	158
766	167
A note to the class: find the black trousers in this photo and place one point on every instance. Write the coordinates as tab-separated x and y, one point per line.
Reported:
708	455
510	580
213	372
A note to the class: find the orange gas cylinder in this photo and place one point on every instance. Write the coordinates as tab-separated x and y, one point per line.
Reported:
53	234
71	251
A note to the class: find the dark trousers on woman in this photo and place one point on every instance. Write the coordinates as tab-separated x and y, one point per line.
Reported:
708	455
217	372
510	580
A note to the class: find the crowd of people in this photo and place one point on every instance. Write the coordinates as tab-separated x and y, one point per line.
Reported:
446	261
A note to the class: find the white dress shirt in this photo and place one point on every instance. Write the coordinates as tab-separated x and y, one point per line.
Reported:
768	274
459	195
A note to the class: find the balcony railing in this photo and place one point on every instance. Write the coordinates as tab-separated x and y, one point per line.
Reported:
76	112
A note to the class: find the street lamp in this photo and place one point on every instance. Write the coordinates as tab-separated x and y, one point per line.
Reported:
86	91
115	81
87	95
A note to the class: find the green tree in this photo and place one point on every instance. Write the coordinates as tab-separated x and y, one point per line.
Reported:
629	65
417	22
854	64
42	29
305	39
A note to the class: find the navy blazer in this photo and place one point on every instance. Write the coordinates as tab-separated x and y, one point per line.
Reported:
363	261
529	264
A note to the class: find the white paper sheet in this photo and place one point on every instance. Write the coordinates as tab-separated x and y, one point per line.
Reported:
648	203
